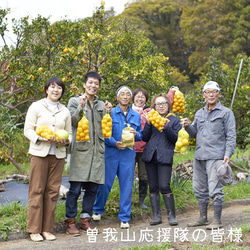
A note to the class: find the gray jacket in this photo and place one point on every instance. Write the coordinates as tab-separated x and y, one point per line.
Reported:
87	157
214	132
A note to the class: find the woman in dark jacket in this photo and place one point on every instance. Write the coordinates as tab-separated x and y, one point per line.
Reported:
158	157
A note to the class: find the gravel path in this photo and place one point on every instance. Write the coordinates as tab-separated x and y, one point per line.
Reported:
141	233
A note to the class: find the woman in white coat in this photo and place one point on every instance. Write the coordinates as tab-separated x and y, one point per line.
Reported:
47	158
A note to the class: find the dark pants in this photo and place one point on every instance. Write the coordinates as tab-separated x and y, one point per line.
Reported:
87	201
159	177
142	174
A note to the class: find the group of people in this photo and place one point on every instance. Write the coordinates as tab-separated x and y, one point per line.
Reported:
94	164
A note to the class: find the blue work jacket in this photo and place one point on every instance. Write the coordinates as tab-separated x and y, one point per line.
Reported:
119	122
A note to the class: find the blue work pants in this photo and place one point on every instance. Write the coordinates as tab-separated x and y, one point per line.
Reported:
123	168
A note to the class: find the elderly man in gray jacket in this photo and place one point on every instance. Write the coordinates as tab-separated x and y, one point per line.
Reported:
214	130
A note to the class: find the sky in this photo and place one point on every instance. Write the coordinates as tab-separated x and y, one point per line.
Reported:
56	9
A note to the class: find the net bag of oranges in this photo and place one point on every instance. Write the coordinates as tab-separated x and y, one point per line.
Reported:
128	139
107	126
156	119
82	133
182	141
179	102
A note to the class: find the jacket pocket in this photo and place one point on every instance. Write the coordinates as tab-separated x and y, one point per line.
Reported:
200	124
148	154
61	151
101	145
134	124
217	125
82	145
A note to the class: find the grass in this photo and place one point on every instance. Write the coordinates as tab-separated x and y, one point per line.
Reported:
161	246
240	190
226	245
241	154
13	216
11	169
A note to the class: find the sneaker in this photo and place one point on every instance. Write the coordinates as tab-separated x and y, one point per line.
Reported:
96	217
36	237
124	225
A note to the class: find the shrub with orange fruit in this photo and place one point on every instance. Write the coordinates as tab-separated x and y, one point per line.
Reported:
156	119
182	141
82	133
45	132
107	126
179	102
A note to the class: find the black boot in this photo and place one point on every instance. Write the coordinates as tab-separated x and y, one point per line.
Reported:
156	208
216	223
143	187
203	216
169	204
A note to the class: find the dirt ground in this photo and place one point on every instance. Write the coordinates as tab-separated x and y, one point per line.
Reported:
234	217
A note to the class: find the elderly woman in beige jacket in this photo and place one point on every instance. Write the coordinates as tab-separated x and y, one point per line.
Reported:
47	158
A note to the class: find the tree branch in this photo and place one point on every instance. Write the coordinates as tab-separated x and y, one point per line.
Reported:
10	158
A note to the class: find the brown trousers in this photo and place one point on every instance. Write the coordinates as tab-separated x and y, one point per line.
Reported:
44	185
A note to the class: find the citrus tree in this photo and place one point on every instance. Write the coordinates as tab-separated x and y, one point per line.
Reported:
113	47
226	77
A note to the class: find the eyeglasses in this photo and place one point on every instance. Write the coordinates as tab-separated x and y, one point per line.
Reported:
208	92
163	104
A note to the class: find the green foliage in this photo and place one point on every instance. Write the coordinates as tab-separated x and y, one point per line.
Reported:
60	211
241	154
160	19
245	227
3	22
119	51
221	24
13	218
226	77
240	190
114	47
20	147
161	246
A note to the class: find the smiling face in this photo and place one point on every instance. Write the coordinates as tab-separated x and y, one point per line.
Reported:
91	86
124	97
54	92
161	105
139	100
211	96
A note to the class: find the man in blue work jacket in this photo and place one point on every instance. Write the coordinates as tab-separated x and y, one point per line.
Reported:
119	159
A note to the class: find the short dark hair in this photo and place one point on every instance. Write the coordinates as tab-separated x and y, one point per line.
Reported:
58	81
144	92
152	105
94	75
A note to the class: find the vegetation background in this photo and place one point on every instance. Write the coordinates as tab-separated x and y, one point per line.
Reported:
154	44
